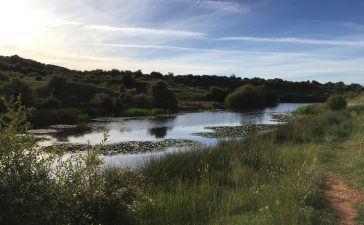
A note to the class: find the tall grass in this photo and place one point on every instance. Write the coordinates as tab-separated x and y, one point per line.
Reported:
138	112
270	178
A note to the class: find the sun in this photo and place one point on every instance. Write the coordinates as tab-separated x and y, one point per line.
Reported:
20	23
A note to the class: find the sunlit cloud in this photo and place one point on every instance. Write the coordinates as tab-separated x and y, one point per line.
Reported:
60	22
137	31
178	48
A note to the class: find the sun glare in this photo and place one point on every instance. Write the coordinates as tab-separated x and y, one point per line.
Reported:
20	23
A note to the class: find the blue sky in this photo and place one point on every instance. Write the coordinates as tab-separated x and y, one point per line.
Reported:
319	40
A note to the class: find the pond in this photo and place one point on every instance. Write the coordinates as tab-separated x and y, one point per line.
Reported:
180	126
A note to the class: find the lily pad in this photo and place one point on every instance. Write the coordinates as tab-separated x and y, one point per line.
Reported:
123	147
234	131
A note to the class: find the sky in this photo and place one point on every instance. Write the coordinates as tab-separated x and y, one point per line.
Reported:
320	40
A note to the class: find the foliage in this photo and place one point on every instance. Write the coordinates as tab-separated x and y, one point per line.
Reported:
50	102
328	126
336	102
43	117
3	77
249	97
137	112
123	89
39	188
218	94
104	101
16	87
83	118
162	97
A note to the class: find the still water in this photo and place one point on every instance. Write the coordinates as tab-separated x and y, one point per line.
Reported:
180	126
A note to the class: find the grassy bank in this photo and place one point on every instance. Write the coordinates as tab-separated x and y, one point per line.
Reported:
271	178
347	158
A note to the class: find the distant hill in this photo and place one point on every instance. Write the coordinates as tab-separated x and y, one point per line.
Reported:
188	88
18	64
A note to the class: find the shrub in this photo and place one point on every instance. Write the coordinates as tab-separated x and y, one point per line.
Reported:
141	101
313	109
137	112
104	101
250	97
38	78
38	188
162	97
56	86
43	117
218	94
50	102
16	87
336	102
83	118
3	77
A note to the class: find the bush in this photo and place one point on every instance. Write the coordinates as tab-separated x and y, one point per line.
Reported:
38	188
104	101
50	102
162	97
336	102
141	101
137	112
250	97
83	118
314	109
38	78
218	94
44	117
16	87
3	77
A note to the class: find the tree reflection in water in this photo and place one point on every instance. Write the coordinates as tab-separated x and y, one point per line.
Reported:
158	132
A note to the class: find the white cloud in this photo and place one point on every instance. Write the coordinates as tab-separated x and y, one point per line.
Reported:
227	6
211	50
293	40
355	26
137	31
60	22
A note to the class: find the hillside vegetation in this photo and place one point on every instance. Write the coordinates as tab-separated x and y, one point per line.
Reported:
61	95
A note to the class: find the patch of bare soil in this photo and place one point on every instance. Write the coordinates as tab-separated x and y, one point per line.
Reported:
342	199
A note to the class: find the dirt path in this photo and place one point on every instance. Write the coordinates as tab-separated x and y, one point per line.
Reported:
342	199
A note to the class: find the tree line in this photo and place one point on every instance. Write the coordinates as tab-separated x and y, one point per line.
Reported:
63	95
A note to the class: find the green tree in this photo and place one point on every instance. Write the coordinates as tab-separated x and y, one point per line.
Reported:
57	86
162	97
16	87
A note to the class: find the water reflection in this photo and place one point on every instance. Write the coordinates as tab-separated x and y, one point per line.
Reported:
182	126
63	134
158	132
